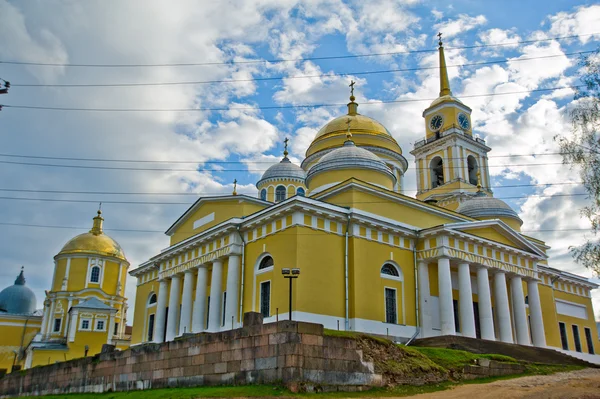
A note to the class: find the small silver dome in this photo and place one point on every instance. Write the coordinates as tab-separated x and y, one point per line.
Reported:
350	156
17	298
483	206
283	170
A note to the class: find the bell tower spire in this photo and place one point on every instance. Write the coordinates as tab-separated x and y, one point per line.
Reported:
444	81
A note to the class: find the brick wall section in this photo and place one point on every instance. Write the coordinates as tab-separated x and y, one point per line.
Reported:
290	352
491	368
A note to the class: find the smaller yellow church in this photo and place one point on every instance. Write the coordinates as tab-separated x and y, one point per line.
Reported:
84	309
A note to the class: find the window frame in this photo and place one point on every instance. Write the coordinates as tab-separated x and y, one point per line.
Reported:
576	338
96	322
89	324
564	339
92	269
263	194
385	304
260	298
399	277
151	323
54	329
303	192
265	269
278	191
436	183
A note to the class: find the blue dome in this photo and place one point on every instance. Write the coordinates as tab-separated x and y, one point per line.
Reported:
17	298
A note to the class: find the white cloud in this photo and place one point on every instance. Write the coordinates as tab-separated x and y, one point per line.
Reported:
583	21
463	23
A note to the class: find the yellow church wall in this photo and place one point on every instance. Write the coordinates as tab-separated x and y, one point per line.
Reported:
491	234
419	217
581	323
549	316
290	185
43	357
15	338
140	313
334	176
59	273
368	300
223	210
111	278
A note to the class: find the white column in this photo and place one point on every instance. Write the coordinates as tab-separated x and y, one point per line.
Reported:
465	167
424	294
173	316
446	165
457	162
502	308
465	301
186	303
486	319
520	314
482	169
233	283
216	293
535	314
45	320
72	326
161	311
111	328
445	297
50	326
199	314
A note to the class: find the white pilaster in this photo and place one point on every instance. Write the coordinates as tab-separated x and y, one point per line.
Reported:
161	311
199	314
445	297
424	294
446	166
45	318
520	314
465	168
502	308
457	162
173	316
535	314
186	302
72	326
233	283
111	328
465	301
214	320
486	319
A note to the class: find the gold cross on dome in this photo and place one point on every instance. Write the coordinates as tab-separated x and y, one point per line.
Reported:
352	83
439	35
234	186
285	145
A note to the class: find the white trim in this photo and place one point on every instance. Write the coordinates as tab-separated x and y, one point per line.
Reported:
81	320
258	272
204	220
103	325
15	324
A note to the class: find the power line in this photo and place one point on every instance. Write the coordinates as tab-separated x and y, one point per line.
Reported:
227	162
162	232
260	79
271	107
272	61
216	170
197	194
189	203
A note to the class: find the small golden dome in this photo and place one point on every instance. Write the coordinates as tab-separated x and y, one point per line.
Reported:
358	124
94	242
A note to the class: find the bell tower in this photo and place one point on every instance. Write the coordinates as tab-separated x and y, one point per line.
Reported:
449	159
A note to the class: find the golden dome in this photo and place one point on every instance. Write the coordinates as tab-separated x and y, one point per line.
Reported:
94	242
358	124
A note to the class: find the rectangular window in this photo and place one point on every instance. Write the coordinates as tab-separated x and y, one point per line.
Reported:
456	315
116	332
150	328
265	298
576	338
588	340
57	323
224	304
563	336
390	306
100	325
85	324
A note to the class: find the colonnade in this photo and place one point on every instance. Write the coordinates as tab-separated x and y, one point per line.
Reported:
190	317
486	319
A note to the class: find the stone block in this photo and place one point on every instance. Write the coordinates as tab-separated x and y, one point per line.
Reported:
290	349
310	328
207	368
214	357
220	368
287	326
313	375
198	359
253	319
265	363
248	353
247	365
313	351
310	339
194	350
293	361
261	340
234	366
314	363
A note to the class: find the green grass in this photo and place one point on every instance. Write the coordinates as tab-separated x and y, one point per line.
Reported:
455	360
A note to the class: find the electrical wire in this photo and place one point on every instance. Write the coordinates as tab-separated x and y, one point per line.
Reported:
260	79
273	107
272	61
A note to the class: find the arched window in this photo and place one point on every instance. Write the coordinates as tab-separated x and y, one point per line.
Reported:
152	299
279	193
266	262
300	191
263	194
390	270
95	274
473	169
437	172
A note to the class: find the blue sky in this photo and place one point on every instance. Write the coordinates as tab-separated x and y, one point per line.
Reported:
192	31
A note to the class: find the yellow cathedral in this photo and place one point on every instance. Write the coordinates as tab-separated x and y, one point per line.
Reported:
84	309
452	261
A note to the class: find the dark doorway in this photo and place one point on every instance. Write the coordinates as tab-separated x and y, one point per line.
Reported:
477	322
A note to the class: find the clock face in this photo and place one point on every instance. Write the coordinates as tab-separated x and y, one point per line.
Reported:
435	123
463	121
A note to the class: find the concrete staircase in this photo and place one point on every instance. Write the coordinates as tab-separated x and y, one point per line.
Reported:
519	352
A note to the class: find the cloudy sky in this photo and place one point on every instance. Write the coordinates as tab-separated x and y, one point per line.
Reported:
231	125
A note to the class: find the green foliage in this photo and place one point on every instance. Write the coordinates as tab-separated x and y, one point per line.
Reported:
455	360
581	149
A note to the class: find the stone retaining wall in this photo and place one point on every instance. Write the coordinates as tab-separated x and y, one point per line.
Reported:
491	368
294	353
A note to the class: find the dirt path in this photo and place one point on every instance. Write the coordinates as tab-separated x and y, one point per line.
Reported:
581	384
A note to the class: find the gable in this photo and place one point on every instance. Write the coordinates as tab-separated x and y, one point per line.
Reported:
408	211
491	234
205	214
